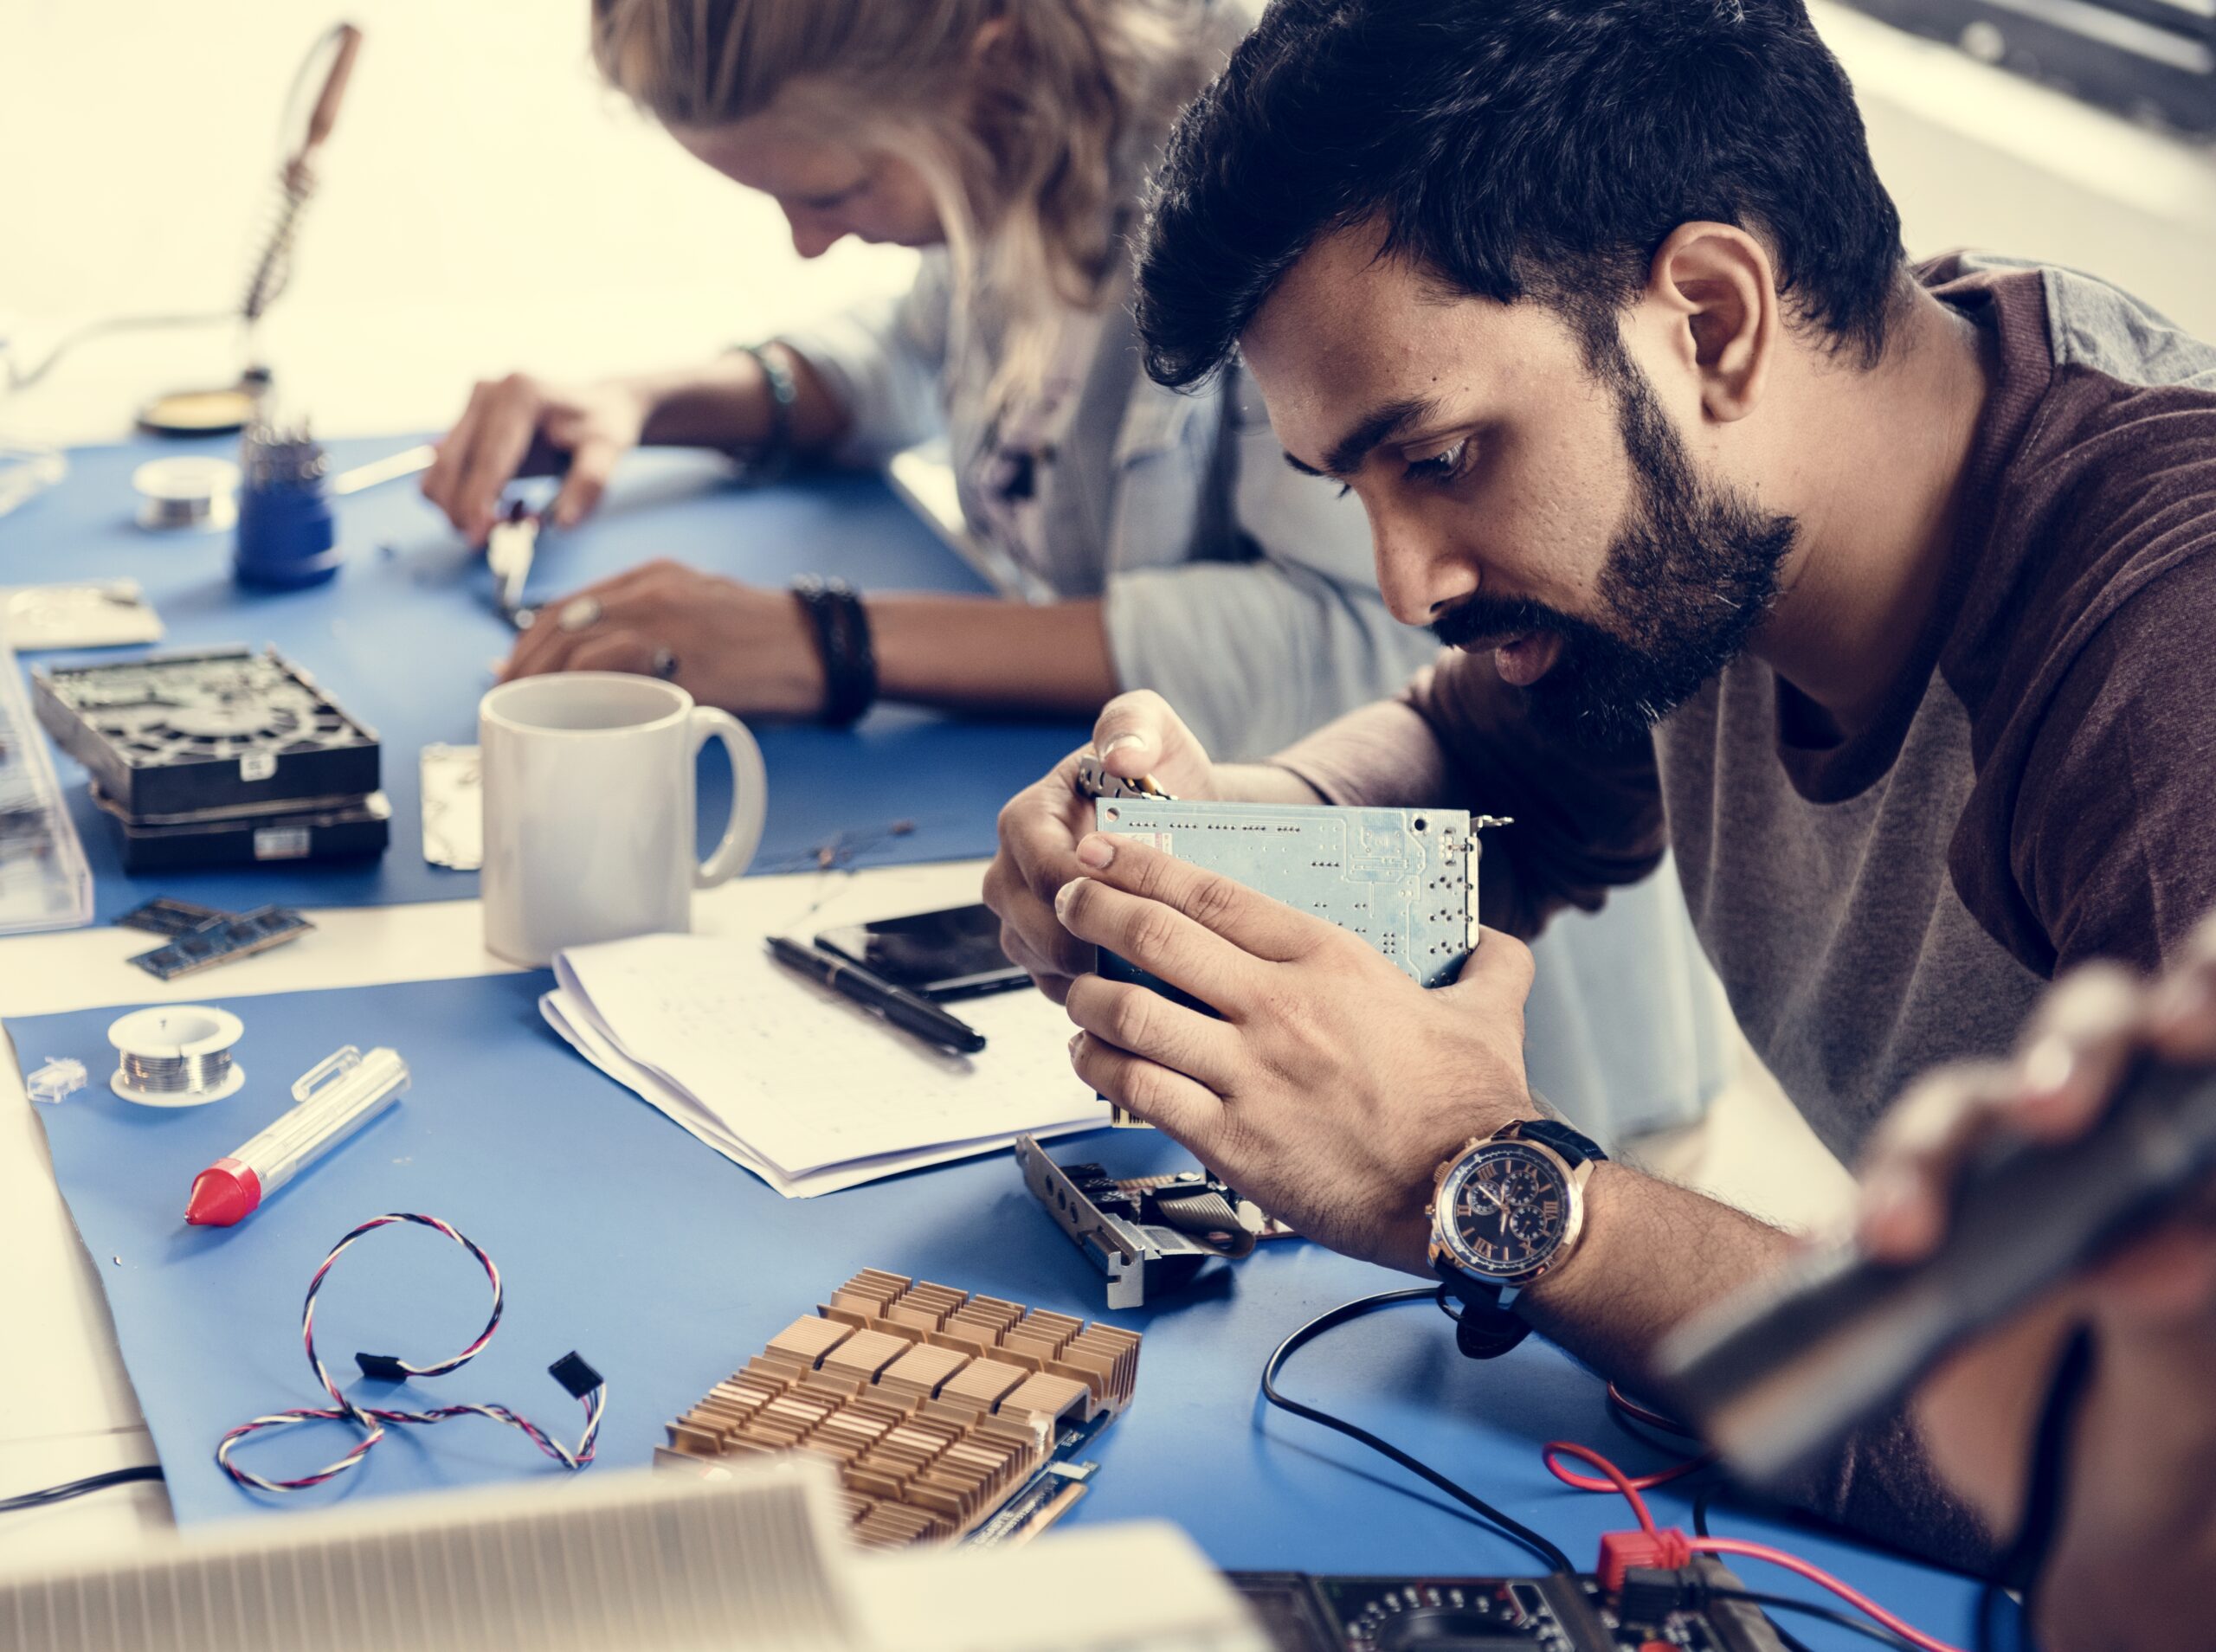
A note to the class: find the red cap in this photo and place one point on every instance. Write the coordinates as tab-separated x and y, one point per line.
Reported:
227	1191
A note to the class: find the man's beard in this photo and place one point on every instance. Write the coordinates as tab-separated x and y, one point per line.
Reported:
1686	581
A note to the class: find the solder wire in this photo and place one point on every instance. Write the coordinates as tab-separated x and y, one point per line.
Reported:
175	1075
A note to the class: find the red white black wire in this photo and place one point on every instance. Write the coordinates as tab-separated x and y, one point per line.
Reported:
371	1419
1679	1548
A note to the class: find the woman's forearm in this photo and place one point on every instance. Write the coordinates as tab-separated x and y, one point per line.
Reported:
981	653
725	403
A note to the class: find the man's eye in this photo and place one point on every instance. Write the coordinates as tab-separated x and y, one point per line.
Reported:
1442	466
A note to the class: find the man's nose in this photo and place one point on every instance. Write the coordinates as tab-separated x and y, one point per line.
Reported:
1418	571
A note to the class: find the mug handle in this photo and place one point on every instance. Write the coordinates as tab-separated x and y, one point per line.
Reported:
749	796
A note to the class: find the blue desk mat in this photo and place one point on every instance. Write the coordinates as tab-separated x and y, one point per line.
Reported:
667	1267
405	636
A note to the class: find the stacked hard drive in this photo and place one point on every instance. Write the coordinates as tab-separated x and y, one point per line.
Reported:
221	758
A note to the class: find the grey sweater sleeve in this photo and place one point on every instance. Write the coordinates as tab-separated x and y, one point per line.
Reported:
885	361
1279	627
1255	654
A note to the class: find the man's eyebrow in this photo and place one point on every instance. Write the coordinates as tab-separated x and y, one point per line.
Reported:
1378	425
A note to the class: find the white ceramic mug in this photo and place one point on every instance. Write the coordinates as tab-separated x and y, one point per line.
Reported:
589	818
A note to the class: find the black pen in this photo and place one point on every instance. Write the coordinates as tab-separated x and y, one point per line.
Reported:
908	1011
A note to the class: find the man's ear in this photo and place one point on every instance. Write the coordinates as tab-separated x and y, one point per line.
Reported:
993	43
1714	284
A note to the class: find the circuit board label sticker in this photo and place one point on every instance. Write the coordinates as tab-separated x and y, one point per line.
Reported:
257	765
281	843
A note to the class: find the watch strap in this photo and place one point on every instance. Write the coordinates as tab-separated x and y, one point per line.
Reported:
1483	1328
1574	1147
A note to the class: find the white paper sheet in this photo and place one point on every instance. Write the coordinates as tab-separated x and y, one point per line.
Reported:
795	1082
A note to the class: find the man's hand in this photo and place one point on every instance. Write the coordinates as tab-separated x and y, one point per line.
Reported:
1136	735
2138	1536
1332	1085
520	426
747	650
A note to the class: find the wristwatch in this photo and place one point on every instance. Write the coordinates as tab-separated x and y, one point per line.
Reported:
1506	1210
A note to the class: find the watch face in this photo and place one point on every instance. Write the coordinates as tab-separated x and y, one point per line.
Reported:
1505	1210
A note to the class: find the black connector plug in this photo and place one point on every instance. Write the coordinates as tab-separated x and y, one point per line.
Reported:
1650	1594
573	1374
382	1368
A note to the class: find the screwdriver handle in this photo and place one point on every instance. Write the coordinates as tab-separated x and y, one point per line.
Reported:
1776	1375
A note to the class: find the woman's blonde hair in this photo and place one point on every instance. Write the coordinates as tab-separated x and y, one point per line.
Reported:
1024	145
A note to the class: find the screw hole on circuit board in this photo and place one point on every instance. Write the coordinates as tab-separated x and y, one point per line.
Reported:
1421	823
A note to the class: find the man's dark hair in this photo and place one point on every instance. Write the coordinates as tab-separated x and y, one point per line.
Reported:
1515	148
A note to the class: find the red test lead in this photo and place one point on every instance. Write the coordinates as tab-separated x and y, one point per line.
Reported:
336	1097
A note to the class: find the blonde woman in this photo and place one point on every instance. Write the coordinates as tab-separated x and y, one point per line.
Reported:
1175	548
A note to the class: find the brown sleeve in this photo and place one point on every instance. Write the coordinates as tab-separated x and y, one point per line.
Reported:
1880	1485
1459	738
2112	840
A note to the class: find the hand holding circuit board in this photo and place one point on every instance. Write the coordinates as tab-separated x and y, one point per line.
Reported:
1316	1074
1137	735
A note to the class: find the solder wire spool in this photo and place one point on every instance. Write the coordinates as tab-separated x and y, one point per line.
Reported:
187	491
176	1055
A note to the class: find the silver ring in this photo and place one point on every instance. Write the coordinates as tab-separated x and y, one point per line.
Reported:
665	665
579	613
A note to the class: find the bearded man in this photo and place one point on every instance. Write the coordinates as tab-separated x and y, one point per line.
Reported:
1880	593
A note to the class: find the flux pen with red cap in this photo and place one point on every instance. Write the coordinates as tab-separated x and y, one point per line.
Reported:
336	1097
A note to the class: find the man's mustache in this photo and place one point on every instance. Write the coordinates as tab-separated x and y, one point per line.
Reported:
1486	619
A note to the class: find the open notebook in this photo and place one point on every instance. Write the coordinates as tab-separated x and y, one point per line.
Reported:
799	1085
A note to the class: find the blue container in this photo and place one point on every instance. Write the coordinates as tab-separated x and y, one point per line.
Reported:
287	539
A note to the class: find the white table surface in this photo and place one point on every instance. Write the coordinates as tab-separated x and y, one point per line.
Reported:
67	1409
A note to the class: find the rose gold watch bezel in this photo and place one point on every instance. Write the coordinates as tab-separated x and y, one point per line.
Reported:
1574	1178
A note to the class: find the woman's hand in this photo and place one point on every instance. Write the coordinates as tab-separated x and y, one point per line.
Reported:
520	426
750	651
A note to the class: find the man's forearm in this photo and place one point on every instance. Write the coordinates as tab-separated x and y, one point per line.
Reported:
1654	1255
1262	783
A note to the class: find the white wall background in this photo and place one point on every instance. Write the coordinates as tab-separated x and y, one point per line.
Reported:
486	205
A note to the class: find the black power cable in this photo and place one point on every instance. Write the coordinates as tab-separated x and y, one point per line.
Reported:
1877	1632
78	1488
1552	1558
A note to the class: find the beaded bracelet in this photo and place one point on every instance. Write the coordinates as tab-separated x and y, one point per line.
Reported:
773	456
842	638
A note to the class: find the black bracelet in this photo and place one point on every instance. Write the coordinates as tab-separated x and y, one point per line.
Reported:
773	456
842	639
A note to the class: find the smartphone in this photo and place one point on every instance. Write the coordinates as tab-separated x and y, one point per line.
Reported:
947	954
